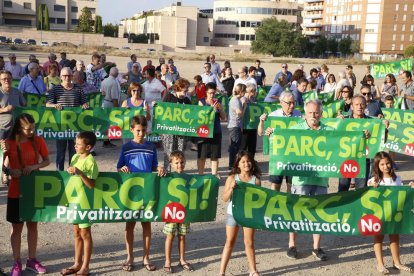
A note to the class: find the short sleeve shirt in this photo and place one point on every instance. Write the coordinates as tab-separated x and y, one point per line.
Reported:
234	120
13	98
87	165
138	157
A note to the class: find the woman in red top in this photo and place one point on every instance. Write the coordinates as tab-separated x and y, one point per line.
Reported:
200	88
24	150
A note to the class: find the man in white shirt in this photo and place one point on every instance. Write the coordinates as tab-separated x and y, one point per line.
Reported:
243	77
209	76
14	67
111	89
153	92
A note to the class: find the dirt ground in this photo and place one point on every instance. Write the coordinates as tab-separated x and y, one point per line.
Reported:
347	255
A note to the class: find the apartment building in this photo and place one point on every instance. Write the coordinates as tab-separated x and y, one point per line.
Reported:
175	26
235	20
383	27
312	18
63	14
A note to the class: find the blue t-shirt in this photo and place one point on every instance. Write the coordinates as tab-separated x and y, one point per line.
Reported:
276	90
138	157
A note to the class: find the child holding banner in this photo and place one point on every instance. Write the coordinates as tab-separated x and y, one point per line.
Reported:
245	169
24	149
138	155
177	163
84	166
384	175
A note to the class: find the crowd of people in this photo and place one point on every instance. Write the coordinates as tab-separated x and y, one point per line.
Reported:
66	83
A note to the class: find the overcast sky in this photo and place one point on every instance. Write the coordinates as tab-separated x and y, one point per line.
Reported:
114	10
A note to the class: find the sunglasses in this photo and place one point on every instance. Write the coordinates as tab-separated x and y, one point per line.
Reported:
365	94
345	91
284	66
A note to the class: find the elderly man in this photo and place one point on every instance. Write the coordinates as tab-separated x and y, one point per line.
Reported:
14	67
285	72
287	101
166	76
209	76
51	60
32	83
63	95
32	58
162	61
407	89
86	87
244	78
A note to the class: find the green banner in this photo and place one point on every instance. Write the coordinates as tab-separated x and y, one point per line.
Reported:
400	138
402	116
330	110
254	111
60	197
321	153
327	97
262	93
367	211
310	95
52	124
15	83
380	70
185	120
224	100
33	100
375	127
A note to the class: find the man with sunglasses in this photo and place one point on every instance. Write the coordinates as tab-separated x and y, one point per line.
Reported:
14	67
285	72
373	106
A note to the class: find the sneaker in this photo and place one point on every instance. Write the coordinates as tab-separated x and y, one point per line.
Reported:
35	266
16	269
292	253
319	254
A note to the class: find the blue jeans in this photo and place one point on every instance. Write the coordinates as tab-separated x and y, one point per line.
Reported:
344	183
61	146
235	135
309	190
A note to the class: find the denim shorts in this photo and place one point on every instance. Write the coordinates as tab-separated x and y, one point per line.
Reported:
231	221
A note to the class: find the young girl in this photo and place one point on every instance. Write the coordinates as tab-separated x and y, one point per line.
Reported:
138	156
245	169
24	150
384	175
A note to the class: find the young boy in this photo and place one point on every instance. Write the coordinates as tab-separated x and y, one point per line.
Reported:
83	165
389	101
177	163
138	155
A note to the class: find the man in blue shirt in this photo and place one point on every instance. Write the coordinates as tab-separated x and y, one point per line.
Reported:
32	82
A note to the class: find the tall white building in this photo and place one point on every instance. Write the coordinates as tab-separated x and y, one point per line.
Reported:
235	20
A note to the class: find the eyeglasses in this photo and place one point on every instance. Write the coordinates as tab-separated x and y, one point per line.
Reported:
366	94
67	76
135	90
345	91
6	79
284	66
241	72
289	103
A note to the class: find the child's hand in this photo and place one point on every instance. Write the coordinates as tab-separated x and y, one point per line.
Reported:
373	184
27	170
411	184
4	146
161	171
268	131
73	170
124	169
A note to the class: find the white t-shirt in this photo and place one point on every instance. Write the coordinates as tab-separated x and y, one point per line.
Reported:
387	181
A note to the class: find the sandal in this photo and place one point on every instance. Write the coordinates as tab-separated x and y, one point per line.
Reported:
383	270
149	267
168	269
69	271
404	268
127	267
186	266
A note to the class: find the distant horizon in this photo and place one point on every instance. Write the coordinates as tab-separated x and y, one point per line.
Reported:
126	8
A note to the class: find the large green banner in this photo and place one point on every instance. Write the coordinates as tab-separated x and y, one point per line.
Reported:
52	124
185	120
322	153
330	110
380	70
33	100
400	138
375	127
402	116
368	211
254	111
60	197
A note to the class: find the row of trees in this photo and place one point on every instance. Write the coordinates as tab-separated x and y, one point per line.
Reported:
279	38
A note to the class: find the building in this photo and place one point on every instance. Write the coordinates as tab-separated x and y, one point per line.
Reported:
235	20
312	18
63	14
175	26
383	27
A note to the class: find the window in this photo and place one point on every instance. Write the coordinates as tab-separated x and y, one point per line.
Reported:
411	37
8	4
206	39
395	27
393	47
402	37
27	6
394	36
60	21
74	9
59	8
74	22
401	47
397	6
52	20
403	28
241	37
20	22
404	17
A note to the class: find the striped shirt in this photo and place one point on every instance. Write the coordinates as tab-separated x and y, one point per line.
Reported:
73	97
138	157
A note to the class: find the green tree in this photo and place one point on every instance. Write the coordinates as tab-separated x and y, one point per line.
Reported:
300	45
332	46
274	37
98	24
86	22
345	45
40	17
409	51
321	46
110	30
46	25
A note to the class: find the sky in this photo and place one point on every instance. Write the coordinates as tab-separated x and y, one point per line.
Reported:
114	10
